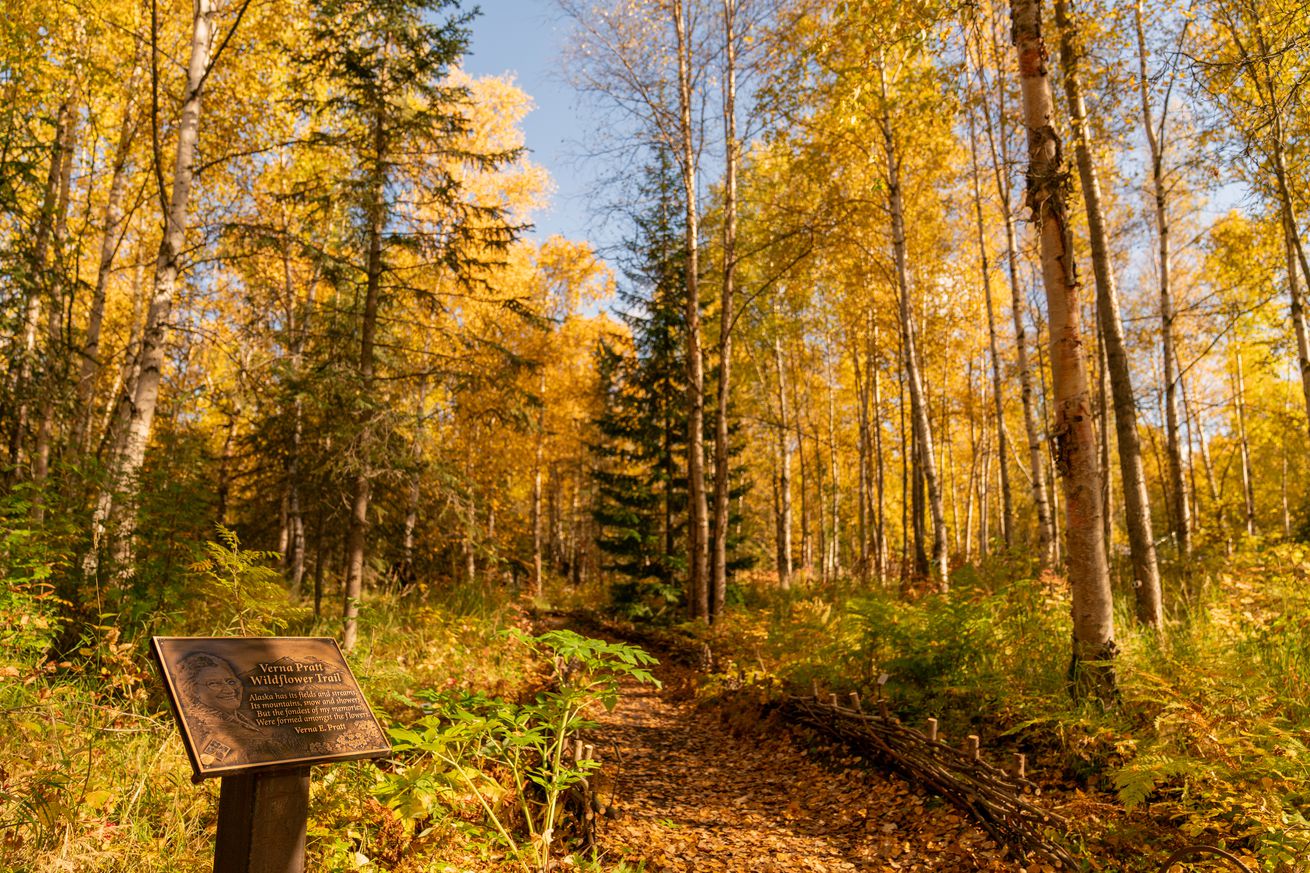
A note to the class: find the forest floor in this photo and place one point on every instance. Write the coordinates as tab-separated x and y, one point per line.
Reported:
697	790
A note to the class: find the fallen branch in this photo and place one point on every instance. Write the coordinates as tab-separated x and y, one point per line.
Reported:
992	797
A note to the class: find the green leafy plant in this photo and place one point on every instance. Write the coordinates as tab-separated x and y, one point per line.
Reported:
238	591
512	759
30	608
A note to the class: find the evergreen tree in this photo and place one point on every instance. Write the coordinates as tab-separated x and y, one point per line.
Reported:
641	474
391	111
641	471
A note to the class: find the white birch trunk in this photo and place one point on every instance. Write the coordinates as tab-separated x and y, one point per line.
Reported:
116	514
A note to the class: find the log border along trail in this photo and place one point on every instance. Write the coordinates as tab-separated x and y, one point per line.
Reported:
693	790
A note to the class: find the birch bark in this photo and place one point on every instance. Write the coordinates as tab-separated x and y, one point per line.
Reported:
719	579
1091	670
925	458
1137	502
999	141
698	527
115	516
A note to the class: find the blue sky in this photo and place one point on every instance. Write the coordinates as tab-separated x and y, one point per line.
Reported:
524	38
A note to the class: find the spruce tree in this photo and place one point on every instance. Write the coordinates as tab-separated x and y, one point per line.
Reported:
641	474
641	470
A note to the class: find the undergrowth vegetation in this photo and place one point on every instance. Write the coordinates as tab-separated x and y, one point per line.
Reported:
1209	741
93	776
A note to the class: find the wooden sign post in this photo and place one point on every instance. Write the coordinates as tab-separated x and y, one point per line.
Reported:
257	712
262	818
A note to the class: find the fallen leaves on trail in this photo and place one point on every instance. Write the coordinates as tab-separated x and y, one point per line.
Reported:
692	796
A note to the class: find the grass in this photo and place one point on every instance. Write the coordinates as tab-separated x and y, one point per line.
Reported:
93	775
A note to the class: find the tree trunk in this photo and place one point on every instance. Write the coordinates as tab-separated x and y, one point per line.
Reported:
113	423
879	477
1050	457
1287	514
1103	415
984	495
862	485
719	578
1189	426
1298	312
56	360
538	441
907	452
224	487
297	330
1091	667
782	539
666	456
1212	484
1137	502
698	528
110	239
576	557
22	362
1181	521
1239	400
834	537
922	566
319	558
820	512
357	533
948	463
972	483
807	540
918	406
999	142
1002	439
117	514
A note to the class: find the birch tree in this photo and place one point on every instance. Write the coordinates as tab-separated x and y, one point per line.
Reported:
1137	505
117	502
997	128
1155	140
648	64
1091	670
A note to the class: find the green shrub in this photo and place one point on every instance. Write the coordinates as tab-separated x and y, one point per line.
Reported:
234	591
464	742
31	613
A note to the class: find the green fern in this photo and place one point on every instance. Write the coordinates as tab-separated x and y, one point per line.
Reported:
237	592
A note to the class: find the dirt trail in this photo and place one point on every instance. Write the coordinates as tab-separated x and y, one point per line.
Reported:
692	795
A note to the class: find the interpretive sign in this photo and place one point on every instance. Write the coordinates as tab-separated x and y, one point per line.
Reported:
254	703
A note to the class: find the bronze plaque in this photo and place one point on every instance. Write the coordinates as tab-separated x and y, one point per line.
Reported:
248	703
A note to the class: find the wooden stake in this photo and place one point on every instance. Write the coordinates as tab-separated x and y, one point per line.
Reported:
855	701
261	822
932	730
975	747
1020	765
814	686
832	700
